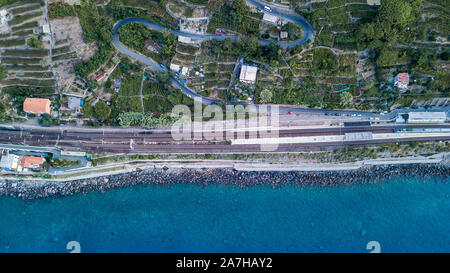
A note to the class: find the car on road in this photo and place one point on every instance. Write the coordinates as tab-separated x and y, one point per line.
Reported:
268	9
162	66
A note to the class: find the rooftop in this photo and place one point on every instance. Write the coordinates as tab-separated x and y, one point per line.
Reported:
9	161
185	40
248	73
74	103
270	18
36	106
32	161
427	115
403	78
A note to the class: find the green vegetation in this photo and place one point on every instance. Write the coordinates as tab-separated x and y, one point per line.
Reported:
131	85
16	11
146	119
101	111
29	82
134	36
3	72
26	52
150	11
21	93
28	25
234	17
12	42
389	26
63	163
61	10
48	120
346	98
34	42
95	28
18	19
9	2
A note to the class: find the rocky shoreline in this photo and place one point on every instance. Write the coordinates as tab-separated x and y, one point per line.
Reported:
38	189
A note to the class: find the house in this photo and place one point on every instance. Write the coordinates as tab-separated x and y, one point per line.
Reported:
46	29
75	103
272	19
402	81
9	162
36	106
185	40
427	117
175	67
117	84
32	162
283	35
184	71
248	74
100	77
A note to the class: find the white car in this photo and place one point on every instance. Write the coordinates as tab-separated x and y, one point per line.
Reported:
268	9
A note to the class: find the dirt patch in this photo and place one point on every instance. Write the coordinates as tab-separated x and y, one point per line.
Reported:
65	75
70	28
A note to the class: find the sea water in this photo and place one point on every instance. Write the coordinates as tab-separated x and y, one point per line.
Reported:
401	214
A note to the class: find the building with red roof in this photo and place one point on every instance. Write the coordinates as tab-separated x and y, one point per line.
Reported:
36	106
32	162
402	81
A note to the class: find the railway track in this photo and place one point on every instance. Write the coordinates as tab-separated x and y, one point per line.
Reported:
162	142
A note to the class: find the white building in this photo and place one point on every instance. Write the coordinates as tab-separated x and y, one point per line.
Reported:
402	81
248	74
74	103
269	18
184	71
185	40
175	67
9	162
46	28
283	35
427	117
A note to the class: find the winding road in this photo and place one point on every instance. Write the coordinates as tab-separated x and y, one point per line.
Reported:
290	16
284	13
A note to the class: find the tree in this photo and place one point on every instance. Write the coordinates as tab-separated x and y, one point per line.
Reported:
265	96
34	42
345	98
395	12
102	110
92	84
240	6
87	110
163	77
47	120
386	56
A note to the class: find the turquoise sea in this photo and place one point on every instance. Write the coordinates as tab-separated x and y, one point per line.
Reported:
402	214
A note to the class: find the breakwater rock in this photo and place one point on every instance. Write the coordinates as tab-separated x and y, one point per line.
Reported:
28	189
